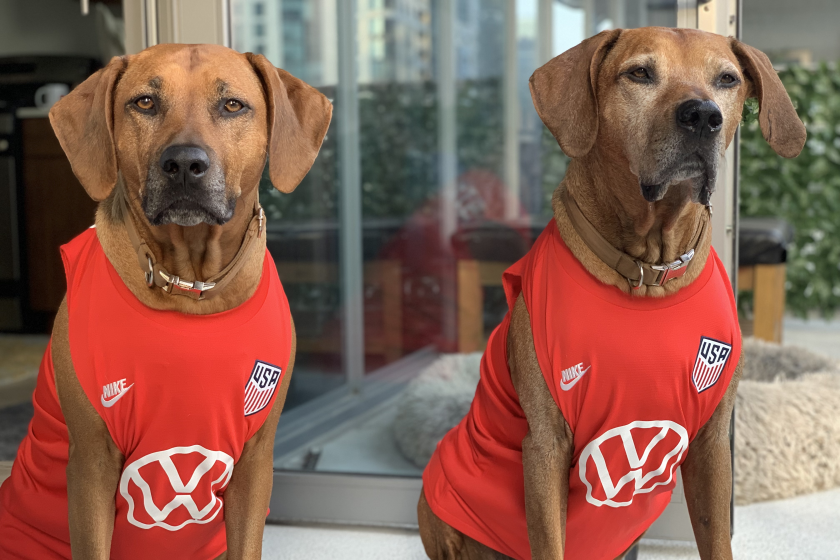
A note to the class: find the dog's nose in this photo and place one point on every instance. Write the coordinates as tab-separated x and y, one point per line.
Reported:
184	163
700	116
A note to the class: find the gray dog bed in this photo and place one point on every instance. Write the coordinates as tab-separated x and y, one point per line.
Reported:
787	420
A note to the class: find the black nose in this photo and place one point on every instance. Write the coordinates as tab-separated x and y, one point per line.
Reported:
184	164
700	117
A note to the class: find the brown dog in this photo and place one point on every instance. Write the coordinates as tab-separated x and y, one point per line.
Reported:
136	133
645	115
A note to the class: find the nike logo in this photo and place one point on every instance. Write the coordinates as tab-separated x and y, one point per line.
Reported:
112	392
572	375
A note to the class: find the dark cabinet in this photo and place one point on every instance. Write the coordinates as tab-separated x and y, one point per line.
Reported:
56	209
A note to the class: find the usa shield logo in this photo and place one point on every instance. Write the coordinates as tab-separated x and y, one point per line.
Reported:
712	357
260	386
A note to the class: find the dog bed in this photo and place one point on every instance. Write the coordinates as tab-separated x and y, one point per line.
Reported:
787	420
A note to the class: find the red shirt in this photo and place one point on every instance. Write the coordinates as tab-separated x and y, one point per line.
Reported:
635	378
180	395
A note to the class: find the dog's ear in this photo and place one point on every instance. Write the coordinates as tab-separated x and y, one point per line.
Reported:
780	125
298	118
83	121
564	89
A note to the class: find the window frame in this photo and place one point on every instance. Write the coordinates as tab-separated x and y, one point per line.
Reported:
380	500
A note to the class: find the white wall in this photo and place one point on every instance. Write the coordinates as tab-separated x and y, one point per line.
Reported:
46	27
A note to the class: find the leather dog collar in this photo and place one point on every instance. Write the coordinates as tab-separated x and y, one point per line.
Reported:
156	275
635	271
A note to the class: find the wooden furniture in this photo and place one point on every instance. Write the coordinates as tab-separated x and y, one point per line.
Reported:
57	209
767	283
473	277
762	253
384	276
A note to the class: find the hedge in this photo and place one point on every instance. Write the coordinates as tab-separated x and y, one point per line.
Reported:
805	190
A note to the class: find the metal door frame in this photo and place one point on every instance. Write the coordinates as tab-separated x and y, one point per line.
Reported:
377	500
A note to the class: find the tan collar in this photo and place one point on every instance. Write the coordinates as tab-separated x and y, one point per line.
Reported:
156	275
636	272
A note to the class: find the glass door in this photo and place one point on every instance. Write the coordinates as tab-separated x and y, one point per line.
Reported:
435	175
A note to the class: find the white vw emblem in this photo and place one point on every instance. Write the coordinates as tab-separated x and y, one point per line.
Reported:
183	491
661	456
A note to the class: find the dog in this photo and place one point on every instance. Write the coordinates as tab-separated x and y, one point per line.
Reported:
621	346
171	355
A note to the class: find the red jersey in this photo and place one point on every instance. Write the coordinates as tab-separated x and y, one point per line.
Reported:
635	378
180	395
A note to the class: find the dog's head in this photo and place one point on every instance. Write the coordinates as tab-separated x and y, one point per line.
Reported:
189	128
666	101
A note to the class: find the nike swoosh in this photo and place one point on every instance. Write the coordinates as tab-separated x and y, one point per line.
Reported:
110	403
567	386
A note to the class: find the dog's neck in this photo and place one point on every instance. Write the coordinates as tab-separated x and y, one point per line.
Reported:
193	253
609	196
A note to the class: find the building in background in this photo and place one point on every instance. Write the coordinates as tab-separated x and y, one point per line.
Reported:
305	45
395	41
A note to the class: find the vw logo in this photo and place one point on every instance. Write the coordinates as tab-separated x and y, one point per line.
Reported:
183	490
661	455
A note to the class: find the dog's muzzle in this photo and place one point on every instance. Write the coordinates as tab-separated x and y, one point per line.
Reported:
693	155
186	188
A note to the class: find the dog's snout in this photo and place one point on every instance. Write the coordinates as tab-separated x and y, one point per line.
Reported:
184	163
700	116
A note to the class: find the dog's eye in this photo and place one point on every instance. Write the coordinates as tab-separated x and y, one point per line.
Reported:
727	80
233	106
145	103
640	74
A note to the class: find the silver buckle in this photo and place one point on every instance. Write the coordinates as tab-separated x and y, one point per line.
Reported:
150	280
641	277
675	269
197	285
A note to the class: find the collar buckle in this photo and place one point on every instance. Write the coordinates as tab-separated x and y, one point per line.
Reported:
150	275
174	281
675	269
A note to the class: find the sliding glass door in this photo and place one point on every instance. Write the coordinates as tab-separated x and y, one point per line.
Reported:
435	175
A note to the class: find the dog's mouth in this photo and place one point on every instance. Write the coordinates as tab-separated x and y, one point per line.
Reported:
188	212
187	203
694	168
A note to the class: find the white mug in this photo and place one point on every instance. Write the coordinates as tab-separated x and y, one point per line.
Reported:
47	96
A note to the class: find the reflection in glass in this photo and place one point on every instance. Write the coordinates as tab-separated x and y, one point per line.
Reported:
456	174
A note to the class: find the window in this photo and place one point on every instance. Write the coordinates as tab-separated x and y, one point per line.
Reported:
447	172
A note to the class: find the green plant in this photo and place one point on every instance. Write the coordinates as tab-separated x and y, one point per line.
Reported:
805	190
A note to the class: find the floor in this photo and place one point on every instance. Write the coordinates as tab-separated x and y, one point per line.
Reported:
817	335
806	528
20	357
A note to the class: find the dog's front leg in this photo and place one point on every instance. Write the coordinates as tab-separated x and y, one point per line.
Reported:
547	448
707	478
94	462
249	491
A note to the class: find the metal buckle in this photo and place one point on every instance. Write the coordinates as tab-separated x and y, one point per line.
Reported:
196	286
675	269
150	280
641	277
261	217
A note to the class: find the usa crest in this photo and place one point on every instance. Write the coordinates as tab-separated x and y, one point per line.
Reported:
260	386
712	357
